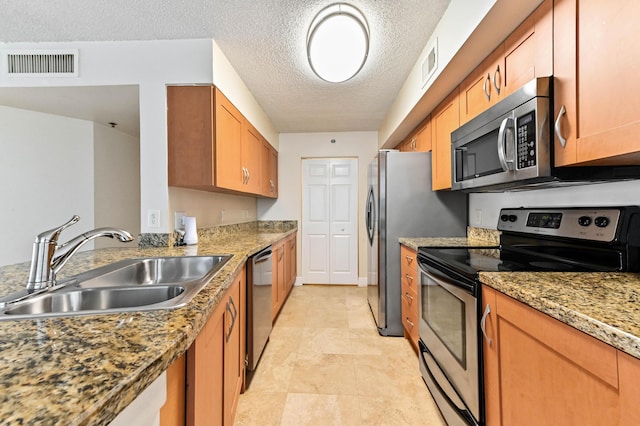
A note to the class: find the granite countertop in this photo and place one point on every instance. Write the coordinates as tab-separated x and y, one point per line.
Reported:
476	237
84	370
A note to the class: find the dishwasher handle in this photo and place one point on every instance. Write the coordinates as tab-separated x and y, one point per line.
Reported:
263	256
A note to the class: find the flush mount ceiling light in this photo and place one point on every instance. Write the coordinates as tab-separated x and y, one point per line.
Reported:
338	42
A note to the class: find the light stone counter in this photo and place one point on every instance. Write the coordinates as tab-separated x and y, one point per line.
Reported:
83	370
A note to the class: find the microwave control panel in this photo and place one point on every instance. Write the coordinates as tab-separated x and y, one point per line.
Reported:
525	140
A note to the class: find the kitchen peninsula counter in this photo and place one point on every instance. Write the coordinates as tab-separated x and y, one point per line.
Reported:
84	370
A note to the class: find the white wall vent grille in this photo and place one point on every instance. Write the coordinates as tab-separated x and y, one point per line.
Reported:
39	63
430	63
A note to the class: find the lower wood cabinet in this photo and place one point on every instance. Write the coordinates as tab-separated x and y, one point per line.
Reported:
173	411
215	362
540	371
283	271
409	297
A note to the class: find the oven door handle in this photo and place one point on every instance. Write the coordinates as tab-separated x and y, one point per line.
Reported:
483	324
443	384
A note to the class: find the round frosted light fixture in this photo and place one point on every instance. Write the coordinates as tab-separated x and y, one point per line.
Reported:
338	42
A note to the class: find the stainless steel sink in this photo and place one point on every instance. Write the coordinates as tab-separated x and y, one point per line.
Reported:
96	300
129	285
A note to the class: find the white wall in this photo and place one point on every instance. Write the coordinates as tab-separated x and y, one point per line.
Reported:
296	146
46	176
484	209
151	65
116	183
213	209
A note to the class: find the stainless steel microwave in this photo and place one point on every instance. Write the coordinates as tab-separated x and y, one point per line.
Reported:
508	144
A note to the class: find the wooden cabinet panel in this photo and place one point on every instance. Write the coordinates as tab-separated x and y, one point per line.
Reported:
444	120
229	125
595	69
173	411
409	295
191	154
215	361
233	355
629	373
484	87
213	147
205	371
252	159
490	348
528	51
277	274
541	371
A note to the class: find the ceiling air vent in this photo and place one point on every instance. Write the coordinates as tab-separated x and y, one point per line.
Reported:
40	63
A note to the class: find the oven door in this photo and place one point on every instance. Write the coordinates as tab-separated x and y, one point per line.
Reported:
449	356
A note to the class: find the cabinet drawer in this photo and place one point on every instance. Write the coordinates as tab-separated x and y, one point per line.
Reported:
410	319
411	297
408	258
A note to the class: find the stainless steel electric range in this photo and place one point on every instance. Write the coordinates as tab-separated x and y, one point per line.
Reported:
533	239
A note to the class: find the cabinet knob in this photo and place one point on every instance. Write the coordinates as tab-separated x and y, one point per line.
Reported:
484	87
497	77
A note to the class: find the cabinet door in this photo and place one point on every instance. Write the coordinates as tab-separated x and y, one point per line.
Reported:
596	81
483	87
205	370
551	373
490	348
273	165
173	411
276	277
190	136
292	260
265	168
233	354
528	50
423	136
251	159
444	120
229	132
629	373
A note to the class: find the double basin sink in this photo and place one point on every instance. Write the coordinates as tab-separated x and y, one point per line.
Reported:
129	285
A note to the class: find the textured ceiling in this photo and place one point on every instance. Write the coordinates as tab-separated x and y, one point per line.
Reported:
263	39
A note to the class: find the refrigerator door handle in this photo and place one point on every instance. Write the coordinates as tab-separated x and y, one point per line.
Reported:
370	219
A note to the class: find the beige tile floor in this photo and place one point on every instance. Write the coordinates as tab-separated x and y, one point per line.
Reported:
326	364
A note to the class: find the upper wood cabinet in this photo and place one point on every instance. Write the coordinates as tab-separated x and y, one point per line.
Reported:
596	63
419	140
444	120
269	158
538	370
523	56
483	87
212	146
528	50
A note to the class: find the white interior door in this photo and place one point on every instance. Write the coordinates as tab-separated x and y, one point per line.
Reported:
329	221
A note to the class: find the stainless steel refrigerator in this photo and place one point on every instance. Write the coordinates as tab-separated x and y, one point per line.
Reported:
400	203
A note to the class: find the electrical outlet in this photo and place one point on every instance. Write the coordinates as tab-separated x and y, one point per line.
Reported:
153	218
179	220
478	220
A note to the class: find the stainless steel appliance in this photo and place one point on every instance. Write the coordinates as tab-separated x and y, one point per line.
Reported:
533	239
398	205
259	289
510	145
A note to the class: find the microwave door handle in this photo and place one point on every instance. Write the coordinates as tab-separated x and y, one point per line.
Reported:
502	155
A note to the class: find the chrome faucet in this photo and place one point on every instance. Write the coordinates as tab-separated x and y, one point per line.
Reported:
48	257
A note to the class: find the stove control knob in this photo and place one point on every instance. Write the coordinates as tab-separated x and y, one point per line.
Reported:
584	221
601	221
513	218
504	217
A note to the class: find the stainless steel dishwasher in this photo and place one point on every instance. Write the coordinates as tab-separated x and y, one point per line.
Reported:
259	287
